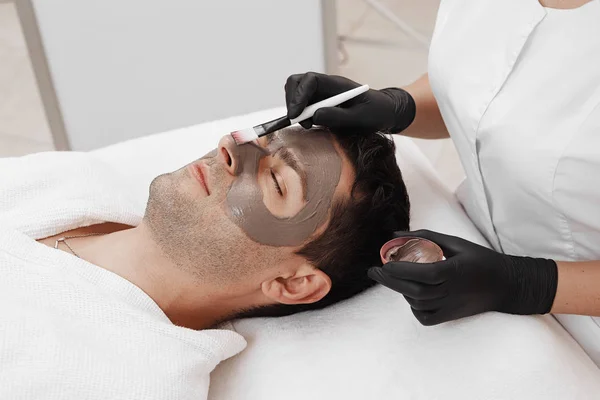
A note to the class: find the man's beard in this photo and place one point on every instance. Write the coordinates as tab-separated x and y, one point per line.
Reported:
196	235
178	224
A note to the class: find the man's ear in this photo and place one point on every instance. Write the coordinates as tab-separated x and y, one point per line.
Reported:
307	285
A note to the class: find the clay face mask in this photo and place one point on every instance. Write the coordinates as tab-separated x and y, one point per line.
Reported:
411	249
322	165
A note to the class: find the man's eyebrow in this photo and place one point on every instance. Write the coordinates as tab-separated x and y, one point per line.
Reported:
290	159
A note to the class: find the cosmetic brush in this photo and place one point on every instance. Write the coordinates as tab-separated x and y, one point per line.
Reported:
250	134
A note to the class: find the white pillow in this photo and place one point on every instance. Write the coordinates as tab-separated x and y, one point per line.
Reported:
371	346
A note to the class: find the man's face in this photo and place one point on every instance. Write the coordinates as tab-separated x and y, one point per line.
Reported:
242	211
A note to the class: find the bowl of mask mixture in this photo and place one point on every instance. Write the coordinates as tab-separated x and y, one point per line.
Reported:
411	249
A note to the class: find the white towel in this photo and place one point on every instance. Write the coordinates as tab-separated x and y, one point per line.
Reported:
70	329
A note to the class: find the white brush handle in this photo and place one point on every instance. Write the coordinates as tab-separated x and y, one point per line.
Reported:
333	101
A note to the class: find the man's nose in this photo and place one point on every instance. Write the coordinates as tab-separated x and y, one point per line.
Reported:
228	155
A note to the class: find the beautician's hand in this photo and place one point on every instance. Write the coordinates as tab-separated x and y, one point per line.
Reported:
473	279
391	109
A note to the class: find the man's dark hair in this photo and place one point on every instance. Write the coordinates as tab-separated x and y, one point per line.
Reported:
358	226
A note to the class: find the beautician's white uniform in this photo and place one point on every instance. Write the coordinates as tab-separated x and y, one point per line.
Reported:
518	86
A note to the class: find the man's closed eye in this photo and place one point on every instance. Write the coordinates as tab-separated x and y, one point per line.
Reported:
276	183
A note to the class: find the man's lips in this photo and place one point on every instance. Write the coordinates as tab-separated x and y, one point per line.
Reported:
198	171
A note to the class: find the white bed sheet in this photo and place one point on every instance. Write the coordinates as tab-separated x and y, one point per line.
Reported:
371	347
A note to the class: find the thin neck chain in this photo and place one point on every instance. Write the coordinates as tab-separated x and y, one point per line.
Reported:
64	240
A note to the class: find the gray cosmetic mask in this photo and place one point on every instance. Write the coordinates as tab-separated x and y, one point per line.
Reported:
322	165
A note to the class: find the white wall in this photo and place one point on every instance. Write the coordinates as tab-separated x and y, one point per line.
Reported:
128	68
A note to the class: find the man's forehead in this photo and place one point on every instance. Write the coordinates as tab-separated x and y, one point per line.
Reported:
314	141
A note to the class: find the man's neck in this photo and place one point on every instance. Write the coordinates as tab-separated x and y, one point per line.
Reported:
134	255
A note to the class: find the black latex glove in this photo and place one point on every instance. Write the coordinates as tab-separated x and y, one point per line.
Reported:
391	110
473	279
